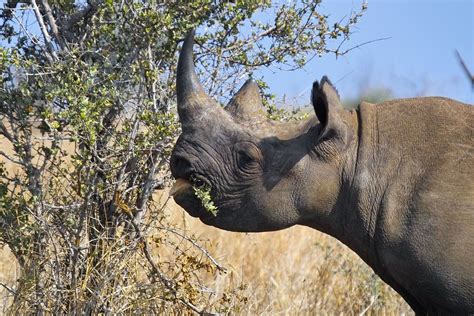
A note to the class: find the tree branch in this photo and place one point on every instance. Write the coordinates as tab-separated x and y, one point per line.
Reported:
195	244
469	75
33	39
338	53
5	133
44	30
88	11
169	284
52	23
19	162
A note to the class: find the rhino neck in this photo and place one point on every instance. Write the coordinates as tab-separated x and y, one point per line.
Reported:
366	186
355	214
358	206
344	220
364	176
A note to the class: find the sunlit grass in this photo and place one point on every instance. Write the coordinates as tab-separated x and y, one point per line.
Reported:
294	271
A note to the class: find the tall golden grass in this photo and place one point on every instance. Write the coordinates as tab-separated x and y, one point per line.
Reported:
297	271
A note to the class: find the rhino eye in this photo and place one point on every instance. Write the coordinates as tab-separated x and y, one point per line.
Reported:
197	181
247	155
244	157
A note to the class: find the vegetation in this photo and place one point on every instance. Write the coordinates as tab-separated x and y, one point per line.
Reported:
87	123
204	194
297	271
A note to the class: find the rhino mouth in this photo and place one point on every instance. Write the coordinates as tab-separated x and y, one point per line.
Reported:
180	187
184	195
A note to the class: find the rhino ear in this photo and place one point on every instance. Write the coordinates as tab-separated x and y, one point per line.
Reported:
327	106
247	103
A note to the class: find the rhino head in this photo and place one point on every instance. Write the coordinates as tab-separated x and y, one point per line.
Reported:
262	175
393	181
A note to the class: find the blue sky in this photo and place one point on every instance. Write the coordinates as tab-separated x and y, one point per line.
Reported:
419	58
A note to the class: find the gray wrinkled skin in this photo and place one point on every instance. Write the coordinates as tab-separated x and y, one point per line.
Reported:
393	181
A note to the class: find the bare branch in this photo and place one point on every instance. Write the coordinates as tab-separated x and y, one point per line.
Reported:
469	75
338	53
5	132
76	205
9	157
44	30
52	23
169	284
195	244
33	39
88	11
9	289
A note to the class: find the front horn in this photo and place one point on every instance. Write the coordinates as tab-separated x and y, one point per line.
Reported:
193	102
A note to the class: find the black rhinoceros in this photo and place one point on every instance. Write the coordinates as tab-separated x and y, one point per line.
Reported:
392	181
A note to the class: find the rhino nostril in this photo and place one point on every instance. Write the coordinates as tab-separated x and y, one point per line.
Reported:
181	167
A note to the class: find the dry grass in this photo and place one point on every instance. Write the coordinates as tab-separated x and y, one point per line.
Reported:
297	271
8	275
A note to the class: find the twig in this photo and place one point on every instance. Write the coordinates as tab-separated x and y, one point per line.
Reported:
33	39
167	282
153	80
63	207
4	131
195	244
19	162
40	73
9	289
65	138
372	301
358	46
469	75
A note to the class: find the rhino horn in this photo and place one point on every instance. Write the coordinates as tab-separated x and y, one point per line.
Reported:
247	102
193	102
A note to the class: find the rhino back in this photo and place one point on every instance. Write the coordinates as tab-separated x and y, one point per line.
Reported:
424	229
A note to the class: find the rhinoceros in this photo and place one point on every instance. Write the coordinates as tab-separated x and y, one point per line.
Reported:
393	181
